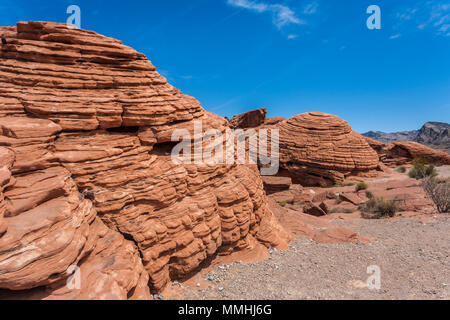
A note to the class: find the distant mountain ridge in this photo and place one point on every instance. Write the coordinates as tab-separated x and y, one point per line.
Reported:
433	134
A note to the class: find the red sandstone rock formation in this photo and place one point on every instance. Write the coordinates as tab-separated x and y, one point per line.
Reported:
375	144
321	149
86	178
250	119
399	153
403	152
273	184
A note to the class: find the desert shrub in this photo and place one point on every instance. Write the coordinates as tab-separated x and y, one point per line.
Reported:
361	186
377	208
369	194
421	169
401	170
283	203
349	184
439	192
420	161
341	210
339	185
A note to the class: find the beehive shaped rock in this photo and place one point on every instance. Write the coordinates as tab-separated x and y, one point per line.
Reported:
319	148
86	123
402	152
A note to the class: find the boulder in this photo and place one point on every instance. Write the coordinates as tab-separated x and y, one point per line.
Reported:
351	197
404	152
314	210
274	184
250	119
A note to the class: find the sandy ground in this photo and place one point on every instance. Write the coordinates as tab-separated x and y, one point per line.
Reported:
411	251
413	258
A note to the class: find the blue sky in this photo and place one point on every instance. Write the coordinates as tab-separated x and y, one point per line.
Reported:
289	56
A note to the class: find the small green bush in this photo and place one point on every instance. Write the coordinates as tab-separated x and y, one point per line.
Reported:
421	172
361	186
349	184
421	169
339	185
377	208
369	194
419	162
401	170
283	203
341	210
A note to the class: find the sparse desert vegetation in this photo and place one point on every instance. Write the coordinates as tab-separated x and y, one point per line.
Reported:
377	208
401	169
369	194
361	186
341	210
439	192
283	203
91	156
339	185
422	169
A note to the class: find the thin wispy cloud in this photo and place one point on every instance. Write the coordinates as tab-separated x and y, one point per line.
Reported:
427	15
281	15
311	8
408	14
395	36
439	19
292	36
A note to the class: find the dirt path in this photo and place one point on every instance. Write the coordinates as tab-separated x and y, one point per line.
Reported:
413	258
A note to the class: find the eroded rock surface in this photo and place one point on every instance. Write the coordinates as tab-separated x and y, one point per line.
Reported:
87	178
250	119
400	153
322	149
52	232
317	149
404	152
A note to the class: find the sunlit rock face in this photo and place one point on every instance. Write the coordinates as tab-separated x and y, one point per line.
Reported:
87	180
315	149
321	149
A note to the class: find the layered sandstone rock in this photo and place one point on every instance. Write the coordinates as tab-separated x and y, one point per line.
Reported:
404	152
375	144
52	232
89	124
273	184
318	148
400	153
250	119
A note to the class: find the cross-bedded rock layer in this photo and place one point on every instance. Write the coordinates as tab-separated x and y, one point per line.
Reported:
86	174
319	149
